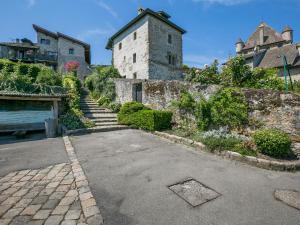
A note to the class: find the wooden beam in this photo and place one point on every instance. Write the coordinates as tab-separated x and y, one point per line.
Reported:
30	98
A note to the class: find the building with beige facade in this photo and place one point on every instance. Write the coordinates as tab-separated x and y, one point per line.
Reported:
266	48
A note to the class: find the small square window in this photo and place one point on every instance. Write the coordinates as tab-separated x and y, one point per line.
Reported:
134	75
71	51
170	39
134	58
45	41
134	36
120	45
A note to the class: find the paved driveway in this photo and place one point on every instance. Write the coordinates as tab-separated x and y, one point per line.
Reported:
33	152
129	172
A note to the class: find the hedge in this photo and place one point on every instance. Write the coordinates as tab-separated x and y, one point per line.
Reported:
152	119
138	115
273	142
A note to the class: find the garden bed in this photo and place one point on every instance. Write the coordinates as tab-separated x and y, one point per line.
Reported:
260	160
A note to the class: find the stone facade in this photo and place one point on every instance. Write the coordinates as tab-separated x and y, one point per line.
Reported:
274	109
65	49
149	47
123	58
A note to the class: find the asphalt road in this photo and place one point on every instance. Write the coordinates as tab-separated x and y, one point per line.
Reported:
32	152
129	172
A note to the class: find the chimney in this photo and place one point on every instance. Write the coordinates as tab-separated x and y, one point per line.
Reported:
287	34
140	10
261	33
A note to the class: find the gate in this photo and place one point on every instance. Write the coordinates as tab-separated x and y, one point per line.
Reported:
137	92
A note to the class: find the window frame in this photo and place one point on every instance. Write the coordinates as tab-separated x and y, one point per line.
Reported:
134	36
120	46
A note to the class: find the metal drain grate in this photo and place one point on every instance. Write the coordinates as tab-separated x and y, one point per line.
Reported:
194	192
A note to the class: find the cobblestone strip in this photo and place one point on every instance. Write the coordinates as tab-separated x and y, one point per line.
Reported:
46	196
88	202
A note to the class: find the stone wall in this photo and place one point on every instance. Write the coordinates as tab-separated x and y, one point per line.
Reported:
274	109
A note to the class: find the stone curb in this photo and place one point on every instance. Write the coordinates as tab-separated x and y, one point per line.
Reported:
88	202
253	161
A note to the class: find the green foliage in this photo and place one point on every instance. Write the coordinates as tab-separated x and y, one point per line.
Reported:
220	144
236	72
115	107
186	102
245	148
73	85
48	77
33	71
125	115
99	82
208	75
229	108
273	142
203	114
104	101
74	119
296	85
151	119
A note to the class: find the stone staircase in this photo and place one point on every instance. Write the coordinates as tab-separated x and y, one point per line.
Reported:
104	119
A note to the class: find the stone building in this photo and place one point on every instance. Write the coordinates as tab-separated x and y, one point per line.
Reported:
51	49
148	47
266	47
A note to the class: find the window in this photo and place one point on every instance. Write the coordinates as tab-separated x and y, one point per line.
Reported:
134	58
170	39
71	51
134	75
134	36
173	60
45	41
170	59
120	45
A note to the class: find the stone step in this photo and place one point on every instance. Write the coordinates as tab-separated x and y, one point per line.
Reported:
96	111
101	124
89	104
104	120
98	129
91	107
101	115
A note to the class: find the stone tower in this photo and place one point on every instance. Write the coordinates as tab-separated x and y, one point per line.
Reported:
148	47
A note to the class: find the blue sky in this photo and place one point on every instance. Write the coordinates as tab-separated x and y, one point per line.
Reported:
213	25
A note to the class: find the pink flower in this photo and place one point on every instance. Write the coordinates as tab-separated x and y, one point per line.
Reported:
72	66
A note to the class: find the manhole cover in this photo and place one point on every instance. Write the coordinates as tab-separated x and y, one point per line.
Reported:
194	192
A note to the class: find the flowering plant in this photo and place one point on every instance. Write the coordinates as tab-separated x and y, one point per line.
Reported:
72	66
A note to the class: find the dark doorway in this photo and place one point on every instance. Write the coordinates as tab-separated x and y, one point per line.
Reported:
137	92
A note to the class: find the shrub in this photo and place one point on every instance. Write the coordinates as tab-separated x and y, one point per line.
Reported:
203	114
273	142
127	110
114	106
220	143
33	71
74	119
229	108
49	77
104	101
152	119
186	102
245	148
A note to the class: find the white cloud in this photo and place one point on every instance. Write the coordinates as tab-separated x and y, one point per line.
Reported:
95	32
201	60
107	7
222	2
31	3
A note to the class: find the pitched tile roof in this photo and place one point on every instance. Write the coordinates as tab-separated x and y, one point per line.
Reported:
273	57
270	36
